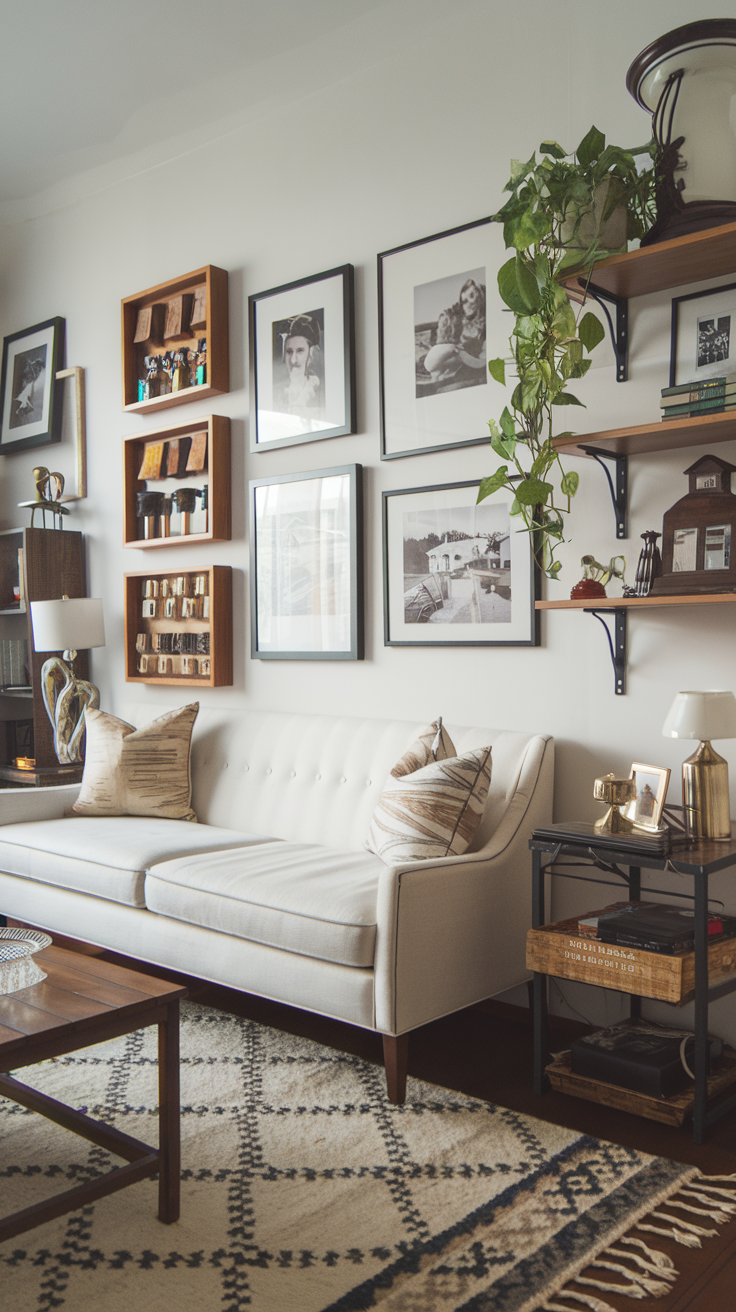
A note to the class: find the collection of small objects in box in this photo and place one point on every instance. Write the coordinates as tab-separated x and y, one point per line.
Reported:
173	326
170	509
170	652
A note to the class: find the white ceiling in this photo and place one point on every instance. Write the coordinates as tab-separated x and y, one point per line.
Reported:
87	82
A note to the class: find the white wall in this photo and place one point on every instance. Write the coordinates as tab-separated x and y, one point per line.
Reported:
397	139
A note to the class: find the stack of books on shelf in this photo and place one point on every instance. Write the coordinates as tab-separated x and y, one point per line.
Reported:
653	927
709	397
652	1059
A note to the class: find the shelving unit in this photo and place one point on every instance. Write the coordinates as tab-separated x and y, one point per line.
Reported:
211	481
215	331
210	618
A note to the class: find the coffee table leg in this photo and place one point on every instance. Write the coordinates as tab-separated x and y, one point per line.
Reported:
168	1116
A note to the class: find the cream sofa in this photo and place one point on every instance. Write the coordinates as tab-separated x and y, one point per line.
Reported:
273	892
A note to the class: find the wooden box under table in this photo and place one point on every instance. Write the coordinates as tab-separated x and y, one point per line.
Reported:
669	1111
560	949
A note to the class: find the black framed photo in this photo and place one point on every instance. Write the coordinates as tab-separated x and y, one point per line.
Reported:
30	400
703	340
436	337
456	574
306	554
302	361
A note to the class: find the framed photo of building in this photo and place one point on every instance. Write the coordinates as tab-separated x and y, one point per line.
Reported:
703	340
302	361
306	561
456	573
436	337
652	782
30	400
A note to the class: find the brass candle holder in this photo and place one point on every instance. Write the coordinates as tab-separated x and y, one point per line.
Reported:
616	793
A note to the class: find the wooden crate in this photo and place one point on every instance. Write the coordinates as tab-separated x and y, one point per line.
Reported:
560	949
670	1111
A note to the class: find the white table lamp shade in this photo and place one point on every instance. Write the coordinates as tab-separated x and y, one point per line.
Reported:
702	716
72	624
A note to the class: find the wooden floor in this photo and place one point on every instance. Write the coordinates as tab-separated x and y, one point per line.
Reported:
486	1052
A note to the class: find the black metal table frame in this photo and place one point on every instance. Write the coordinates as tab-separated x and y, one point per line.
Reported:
610	860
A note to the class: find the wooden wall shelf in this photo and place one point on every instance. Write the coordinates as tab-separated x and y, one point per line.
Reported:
210	525
693	258
215	330
147	630
701	430
636	603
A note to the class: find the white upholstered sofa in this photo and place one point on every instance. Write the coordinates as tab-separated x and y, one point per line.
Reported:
312	919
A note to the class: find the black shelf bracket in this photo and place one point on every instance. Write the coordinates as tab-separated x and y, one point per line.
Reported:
619	334
616	644
619	493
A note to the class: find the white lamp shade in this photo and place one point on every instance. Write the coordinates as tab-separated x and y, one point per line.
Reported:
701	715
71	624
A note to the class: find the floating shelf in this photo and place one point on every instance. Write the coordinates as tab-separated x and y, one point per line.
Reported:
701	430
635	603
214	478
692	258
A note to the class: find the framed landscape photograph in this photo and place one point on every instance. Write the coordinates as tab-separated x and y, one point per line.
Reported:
306	562
652	782
302	361
456	573
436	337
703	335
30	409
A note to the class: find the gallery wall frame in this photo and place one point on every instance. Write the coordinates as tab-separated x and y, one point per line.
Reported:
434	325
306	565
703	335
302	360
30	403
455	573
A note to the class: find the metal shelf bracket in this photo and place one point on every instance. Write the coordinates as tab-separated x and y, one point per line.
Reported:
619	493
616	644
619	334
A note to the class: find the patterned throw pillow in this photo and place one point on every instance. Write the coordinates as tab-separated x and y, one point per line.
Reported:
145	771
434	744
433	811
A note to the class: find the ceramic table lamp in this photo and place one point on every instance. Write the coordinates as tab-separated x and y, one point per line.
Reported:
69	625
705	796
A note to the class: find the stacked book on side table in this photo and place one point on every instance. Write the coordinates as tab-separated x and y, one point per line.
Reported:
708	397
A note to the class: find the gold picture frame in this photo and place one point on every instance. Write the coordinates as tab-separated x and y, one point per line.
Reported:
79	423
645	811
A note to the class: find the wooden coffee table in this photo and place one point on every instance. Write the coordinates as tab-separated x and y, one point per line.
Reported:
82	1001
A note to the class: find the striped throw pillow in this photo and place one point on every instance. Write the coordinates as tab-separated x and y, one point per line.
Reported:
434	744
145	771
433	812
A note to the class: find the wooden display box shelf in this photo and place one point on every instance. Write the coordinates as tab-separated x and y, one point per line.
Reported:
216	476
219	625
692	258
215	331
636	603
698	430
561	950
669	1111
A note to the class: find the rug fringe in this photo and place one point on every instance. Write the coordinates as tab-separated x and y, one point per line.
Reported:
662	1261
666	1273
679	1236
595	1304
654	1287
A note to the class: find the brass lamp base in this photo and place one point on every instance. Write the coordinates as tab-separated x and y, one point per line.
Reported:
705	795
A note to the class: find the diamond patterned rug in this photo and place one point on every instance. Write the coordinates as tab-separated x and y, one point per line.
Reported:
304	1189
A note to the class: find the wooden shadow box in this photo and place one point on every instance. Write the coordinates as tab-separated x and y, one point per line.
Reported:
179	627
174	316
186	471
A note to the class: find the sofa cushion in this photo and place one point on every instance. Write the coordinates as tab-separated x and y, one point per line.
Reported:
307	899
141	772
433	812
106	856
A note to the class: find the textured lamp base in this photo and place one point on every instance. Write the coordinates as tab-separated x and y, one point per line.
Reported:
705	794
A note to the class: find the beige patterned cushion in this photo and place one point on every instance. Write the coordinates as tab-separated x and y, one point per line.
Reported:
145	771
434	744
433	812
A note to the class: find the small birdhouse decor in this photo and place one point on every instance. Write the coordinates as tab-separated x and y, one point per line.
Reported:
699	534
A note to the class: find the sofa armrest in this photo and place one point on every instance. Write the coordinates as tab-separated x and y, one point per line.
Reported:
24	804
451	932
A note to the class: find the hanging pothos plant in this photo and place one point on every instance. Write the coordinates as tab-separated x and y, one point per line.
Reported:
555	220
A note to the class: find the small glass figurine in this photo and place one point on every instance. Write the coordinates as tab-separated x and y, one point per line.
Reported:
596	576
201	362
180	374
157	380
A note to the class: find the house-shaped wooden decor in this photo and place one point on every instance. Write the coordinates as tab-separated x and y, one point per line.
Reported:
699	533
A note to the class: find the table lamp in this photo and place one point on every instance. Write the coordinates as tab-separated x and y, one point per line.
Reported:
705	796
69	625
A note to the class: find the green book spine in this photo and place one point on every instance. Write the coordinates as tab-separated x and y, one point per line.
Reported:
707	385
699	408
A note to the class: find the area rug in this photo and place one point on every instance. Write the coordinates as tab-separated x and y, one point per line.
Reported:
304	1189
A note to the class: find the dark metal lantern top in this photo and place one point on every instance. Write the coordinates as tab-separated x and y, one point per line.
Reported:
691	36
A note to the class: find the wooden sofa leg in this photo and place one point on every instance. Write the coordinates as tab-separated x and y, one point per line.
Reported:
396	1061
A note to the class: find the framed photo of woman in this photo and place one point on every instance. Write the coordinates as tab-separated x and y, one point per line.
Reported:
436	336
302	361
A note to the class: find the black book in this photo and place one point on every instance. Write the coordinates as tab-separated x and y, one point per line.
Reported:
639	1055
576	831
660	927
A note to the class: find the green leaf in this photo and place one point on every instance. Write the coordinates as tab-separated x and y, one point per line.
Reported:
519	172
503	447
590	331
532	491
552	148
508	288
515	508
508	427
592	145
553	569
570	482
526	229
566	398
497	370
490	485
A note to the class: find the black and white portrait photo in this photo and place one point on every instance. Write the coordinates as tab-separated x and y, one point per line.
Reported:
457	565
714	339
450	333
28	384
299	365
